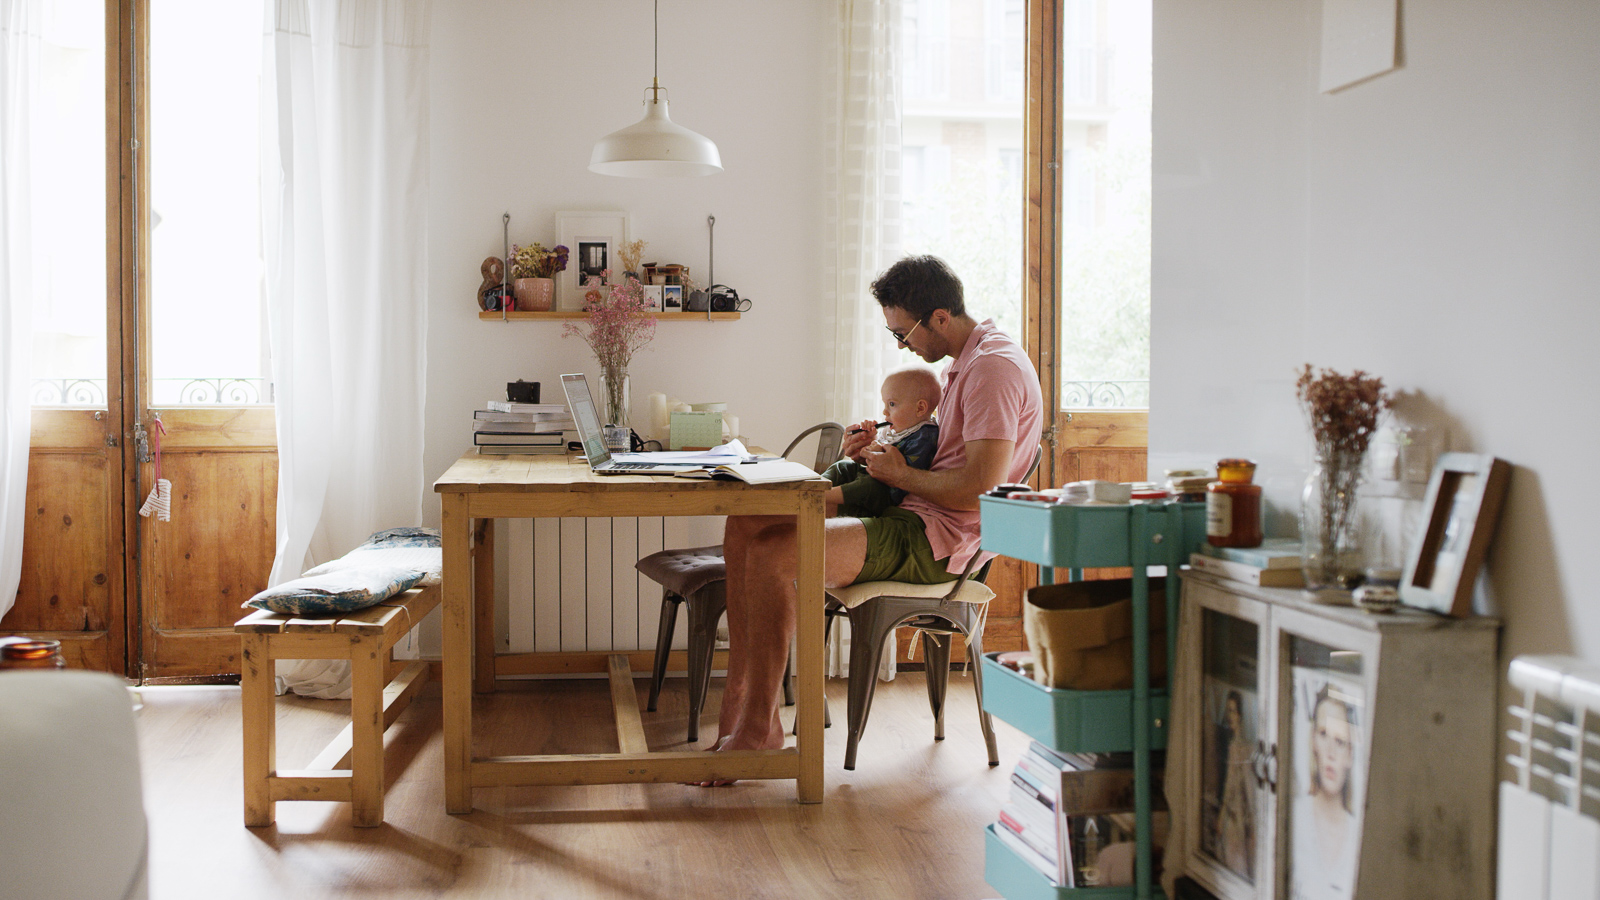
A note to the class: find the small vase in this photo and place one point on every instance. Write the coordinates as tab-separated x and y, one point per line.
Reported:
1330	526
534	294
614	390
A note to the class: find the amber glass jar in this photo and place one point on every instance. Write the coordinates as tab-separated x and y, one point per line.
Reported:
1233	506
30	654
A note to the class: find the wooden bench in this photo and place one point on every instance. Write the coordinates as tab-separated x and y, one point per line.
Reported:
350	769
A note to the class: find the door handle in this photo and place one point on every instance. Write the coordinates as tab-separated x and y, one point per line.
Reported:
141	443
1272	767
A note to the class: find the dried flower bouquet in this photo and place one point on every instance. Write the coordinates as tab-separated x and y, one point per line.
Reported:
1343	412
619	325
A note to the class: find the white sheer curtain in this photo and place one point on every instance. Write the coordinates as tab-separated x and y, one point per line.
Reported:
863	195
20	25
344	207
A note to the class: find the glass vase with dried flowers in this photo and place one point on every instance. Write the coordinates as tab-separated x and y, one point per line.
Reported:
1343	413
533	271
620	324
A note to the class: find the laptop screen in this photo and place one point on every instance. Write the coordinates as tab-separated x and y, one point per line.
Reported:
588	420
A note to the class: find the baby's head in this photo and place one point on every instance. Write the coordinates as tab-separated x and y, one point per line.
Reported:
910	396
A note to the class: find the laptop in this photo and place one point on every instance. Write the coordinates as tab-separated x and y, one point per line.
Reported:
587	418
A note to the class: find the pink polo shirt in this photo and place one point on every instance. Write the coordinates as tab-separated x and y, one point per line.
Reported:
991	392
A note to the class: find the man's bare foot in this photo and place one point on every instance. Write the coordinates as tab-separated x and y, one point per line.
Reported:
716	745
773	741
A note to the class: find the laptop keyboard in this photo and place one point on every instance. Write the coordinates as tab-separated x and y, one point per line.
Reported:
623	465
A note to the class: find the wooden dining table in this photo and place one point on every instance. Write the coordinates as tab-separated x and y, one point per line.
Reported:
478	489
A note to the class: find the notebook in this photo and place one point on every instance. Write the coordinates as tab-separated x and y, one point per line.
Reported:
587	420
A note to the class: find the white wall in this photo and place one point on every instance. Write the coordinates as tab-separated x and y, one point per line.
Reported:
1436	226
521	89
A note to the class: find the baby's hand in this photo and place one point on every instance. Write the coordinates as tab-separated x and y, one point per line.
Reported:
857	437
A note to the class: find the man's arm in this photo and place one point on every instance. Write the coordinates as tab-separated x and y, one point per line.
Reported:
988	464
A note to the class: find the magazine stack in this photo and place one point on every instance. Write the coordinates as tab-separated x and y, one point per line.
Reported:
1070	815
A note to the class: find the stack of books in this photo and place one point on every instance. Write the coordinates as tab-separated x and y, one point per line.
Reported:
1276	563
506	427
1067	809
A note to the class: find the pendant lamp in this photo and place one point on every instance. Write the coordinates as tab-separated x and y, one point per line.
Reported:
655	147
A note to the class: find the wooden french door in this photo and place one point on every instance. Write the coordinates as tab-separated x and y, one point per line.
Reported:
125	593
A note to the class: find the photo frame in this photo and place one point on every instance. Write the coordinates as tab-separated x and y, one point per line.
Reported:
592	238
1463	503
672	296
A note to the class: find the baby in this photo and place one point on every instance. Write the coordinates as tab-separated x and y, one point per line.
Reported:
910	396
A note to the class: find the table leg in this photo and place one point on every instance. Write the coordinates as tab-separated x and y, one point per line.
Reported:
456	681
808	645
483	673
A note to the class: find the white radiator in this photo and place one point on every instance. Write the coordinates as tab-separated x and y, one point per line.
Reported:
1550	810
571	584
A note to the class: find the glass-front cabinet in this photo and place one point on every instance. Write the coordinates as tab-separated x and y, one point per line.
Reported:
1322	753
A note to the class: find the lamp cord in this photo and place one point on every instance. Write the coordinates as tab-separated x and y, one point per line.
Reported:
655	74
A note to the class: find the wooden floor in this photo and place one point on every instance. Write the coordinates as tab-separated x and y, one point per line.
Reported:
908	823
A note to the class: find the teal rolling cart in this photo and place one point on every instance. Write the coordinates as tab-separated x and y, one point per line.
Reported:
1076	538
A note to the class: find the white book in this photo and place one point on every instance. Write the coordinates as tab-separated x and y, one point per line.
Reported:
761	471
1032	857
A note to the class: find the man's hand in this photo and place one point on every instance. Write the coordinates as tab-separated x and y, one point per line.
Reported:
885	463
857	437
988	463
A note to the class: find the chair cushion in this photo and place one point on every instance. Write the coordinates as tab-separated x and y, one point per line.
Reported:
335	593
853	595
684	571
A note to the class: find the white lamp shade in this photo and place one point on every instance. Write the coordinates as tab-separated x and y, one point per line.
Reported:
654	147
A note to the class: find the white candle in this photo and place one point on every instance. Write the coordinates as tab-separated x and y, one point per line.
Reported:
660	419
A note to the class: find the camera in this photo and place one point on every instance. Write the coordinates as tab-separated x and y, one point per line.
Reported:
718	298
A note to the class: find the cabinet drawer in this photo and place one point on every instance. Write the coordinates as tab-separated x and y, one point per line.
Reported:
1070	721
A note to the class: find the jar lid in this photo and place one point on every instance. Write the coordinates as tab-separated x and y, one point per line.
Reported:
1236	470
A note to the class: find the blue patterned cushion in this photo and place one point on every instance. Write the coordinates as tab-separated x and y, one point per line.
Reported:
404	537
338	592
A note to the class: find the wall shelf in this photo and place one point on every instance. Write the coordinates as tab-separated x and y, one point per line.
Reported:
579	314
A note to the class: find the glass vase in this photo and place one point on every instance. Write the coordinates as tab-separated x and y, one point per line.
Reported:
614	390
1330	526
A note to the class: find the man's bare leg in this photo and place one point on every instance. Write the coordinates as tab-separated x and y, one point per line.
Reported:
739	535
761	558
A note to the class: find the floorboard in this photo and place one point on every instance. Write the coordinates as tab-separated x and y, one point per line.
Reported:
908	823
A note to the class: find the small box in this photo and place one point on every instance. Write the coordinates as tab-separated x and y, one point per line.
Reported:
695	430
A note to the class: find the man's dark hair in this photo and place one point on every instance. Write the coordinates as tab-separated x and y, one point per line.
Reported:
919	285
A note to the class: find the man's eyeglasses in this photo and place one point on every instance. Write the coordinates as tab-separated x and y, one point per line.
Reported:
901	338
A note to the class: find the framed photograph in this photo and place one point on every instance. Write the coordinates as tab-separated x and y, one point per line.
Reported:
652	295
672	296
593	239
1458	518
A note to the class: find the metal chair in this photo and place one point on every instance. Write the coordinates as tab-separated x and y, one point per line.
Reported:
698	577
875	609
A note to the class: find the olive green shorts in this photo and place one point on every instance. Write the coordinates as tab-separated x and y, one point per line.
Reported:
897	550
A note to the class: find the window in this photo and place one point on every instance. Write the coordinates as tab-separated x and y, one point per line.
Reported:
208	330
962	156
68	186
1105	222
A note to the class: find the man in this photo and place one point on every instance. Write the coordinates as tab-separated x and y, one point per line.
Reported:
989	426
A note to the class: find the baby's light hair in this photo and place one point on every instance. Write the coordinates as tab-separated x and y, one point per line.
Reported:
922	382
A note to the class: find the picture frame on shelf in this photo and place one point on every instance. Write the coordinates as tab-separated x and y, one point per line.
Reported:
593	237
1463	503
652	295
672	297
